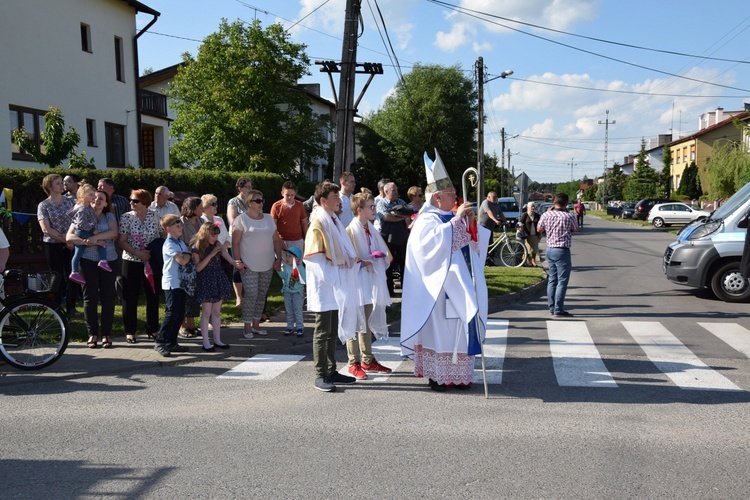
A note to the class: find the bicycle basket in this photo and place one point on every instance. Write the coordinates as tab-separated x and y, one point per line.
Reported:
47	282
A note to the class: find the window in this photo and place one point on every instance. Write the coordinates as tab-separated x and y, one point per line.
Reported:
85	38
32	120
692	153
115	137
90	132
119	69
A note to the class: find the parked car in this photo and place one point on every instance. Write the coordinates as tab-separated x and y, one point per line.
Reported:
643	207
624	210
666	214
707	253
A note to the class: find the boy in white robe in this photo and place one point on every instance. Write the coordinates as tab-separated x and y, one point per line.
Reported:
331	285
444	312
373	259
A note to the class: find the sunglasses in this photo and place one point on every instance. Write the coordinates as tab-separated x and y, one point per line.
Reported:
134	201
257	201
212	204
176	222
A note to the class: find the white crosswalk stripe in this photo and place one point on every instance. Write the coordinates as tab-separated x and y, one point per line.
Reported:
495	345
576	360
733	334
673	358
263	367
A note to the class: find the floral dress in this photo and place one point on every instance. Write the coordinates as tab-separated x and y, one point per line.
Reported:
213	285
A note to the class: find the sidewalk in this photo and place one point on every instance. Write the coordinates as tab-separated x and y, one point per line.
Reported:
79	361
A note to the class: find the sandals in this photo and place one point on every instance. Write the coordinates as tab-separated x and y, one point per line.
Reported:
91	344
130	339
106	343
187	333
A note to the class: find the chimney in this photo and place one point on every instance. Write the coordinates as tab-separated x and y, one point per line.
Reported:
719	115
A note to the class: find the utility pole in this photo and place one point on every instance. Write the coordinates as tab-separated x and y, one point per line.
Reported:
606	141
502	160
480	131
572	180
344	153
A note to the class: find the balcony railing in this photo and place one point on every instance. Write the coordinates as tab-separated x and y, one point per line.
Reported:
153	103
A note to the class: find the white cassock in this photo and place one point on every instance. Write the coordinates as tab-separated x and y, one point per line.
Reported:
439	298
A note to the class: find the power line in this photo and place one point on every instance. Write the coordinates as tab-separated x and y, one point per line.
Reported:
466	12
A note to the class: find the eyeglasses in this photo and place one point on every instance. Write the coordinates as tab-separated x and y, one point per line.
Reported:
212	204
371	207
257	201
134	201
176	222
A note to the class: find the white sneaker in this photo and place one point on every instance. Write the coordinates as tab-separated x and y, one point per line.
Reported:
248	335
262	333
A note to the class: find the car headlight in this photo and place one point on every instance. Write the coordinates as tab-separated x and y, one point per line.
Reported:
704	231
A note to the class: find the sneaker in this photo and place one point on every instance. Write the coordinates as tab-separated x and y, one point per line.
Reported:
248	335
300	333
178	348
340	379
262	333
375	367
324	384
103	264
77	278
163	350
356	371
288	332
563	314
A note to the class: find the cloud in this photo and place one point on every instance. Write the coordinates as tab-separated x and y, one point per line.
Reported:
555	14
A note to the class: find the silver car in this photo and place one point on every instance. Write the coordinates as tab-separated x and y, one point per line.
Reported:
666	214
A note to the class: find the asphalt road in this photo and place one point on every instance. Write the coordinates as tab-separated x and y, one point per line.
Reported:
587	407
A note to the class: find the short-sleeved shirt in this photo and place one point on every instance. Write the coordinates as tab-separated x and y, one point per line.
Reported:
140	233
238	204
102	225
58	215
190	229
346	216
120	206
558	224
484	219
170	278
224	234
289	220
256	245
168	208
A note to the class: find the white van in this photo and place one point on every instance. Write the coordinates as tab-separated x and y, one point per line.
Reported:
708	252
510	209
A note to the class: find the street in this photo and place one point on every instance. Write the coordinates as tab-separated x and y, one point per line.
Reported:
644	392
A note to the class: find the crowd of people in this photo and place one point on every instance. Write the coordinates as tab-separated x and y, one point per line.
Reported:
341	252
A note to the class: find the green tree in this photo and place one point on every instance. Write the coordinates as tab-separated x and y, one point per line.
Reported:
643	182
690	184
432	107
589	194
57	145
238	107
665	176
613	186
728	169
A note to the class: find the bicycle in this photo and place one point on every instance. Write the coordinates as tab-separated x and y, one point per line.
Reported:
33	329
508	251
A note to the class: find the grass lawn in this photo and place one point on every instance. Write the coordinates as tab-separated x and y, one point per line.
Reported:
500	280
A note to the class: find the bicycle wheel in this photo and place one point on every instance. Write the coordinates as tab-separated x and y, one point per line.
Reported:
513	253
33	334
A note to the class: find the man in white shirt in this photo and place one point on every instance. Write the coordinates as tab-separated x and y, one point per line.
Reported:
161	203
347	183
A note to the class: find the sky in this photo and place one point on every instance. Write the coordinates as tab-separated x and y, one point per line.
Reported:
655	66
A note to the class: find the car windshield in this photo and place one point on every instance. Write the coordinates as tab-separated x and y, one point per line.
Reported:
732	203
508	206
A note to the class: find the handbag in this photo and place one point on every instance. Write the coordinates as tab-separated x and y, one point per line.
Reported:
188	277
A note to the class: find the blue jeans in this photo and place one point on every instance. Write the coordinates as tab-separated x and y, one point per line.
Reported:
558	260
293	305
79	249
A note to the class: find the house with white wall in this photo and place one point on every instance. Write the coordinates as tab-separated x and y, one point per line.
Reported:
80	56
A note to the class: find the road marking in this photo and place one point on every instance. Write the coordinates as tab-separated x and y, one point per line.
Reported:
495	344
673	358
263	367
733	334
576	359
